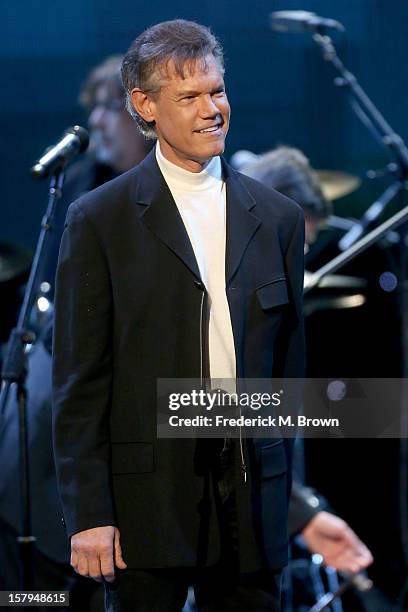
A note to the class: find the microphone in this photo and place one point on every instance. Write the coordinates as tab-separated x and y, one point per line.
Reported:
302	21
74	140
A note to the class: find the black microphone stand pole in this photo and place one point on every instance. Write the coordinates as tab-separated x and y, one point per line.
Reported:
326	600
377	123
14	371
369	114
357	240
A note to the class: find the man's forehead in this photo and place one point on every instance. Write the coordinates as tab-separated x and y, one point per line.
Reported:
179	72
106	90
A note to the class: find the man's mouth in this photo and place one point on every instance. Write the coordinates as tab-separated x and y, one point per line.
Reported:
208	130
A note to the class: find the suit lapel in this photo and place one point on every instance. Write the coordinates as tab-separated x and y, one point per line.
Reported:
241	222
161	214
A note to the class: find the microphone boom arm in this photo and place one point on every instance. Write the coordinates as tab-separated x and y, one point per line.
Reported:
388	137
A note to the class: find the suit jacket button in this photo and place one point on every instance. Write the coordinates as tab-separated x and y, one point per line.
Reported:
63	522
199	285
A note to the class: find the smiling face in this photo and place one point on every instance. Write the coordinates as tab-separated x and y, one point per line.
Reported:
191	114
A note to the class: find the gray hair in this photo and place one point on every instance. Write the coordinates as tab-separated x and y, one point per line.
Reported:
146	62
106	73
288	170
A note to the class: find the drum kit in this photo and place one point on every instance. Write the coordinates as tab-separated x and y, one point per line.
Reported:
335	291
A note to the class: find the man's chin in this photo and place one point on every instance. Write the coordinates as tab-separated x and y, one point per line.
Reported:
212	151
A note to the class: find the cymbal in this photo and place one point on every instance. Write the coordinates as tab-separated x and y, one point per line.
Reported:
14	260
336	184
337	281
332	302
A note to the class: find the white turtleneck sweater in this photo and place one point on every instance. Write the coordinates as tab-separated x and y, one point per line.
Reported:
201	200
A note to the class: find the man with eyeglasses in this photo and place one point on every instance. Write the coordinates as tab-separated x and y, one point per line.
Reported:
115	140
116	145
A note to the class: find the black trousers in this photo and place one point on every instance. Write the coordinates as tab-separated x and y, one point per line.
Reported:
216	590
221	588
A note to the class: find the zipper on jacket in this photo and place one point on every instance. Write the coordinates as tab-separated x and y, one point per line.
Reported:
243	466
241	449
201	336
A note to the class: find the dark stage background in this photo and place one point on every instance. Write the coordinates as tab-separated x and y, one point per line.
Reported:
281	91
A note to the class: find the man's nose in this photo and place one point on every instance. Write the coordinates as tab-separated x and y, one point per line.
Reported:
208	106
97	117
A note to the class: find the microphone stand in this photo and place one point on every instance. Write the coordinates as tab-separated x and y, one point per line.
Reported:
371	117
374	119
369	114
328	599
14	371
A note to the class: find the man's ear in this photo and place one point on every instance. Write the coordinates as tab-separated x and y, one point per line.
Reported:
143	104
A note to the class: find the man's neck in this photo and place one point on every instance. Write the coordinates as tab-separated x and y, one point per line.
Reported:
193	180
191	165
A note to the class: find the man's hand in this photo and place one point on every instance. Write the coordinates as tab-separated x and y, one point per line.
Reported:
96	552
339	546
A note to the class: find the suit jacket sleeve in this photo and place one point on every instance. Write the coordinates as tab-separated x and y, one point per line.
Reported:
82	363
304	504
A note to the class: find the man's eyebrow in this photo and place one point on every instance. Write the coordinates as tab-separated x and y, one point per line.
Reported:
187	92
193	92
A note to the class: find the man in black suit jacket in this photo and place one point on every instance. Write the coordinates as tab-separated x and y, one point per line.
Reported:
133	306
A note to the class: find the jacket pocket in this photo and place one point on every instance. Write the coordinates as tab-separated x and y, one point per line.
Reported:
132	458
273	294
273	460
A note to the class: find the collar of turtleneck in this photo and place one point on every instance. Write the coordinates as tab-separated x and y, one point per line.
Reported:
179	177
